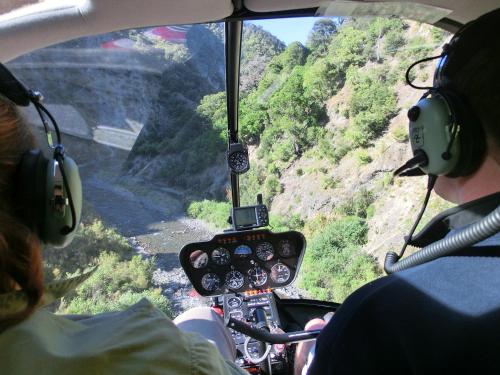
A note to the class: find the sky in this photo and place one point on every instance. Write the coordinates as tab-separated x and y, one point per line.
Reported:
288	29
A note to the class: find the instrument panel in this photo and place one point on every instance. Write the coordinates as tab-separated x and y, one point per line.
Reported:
235	262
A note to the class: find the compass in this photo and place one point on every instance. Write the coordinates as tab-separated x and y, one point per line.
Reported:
237	158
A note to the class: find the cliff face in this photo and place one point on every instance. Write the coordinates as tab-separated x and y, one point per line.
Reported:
136	90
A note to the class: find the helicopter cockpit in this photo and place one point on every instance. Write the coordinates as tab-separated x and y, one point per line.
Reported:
226	163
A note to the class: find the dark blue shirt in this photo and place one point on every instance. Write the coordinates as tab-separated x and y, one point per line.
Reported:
437	318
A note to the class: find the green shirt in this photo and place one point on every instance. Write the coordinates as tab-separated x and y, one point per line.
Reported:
140	340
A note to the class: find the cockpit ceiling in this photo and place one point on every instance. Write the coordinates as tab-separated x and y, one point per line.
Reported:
53	21
462	11
48	22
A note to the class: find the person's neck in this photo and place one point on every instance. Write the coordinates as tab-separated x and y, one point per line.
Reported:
484	182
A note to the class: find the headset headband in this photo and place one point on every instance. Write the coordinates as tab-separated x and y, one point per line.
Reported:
477	35
13	89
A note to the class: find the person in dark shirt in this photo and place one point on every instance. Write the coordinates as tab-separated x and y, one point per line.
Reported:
442	316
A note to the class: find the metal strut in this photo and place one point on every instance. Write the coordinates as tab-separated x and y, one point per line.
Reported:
233	32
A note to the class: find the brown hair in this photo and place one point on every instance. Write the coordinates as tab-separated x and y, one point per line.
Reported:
20	255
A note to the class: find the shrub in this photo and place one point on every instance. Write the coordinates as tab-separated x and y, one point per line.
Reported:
115	285
334	266
357	204
90	240
215	213
363	157
329	182
280	223
272	187
372	104
400	134
394	40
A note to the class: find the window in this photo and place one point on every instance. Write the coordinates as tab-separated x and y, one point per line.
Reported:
143	113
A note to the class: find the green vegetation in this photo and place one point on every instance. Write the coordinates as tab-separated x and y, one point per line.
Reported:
115	285
215	213
400	134
357	204
121	279
284	116
371	105
334	265
363	157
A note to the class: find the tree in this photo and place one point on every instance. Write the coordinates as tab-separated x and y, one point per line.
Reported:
294	55
320	36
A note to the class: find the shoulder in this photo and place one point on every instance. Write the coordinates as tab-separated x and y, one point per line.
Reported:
140	339
385	324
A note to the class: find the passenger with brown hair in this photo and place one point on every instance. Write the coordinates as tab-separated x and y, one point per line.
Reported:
20	256
139	340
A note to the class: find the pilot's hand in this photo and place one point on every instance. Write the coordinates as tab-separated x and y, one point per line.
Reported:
303	348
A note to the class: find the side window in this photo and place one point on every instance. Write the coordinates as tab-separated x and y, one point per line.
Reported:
127	105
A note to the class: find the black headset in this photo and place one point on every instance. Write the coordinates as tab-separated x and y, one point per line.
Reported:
446	135
48	192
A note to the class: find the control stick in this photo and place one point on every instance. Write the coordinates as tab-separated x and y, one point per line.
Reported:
260	318
272	338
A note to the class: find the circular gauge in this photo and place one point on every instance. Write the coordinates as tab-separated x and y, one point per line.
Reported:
280	273
234	279
238	162
234	302
210	282
220	256
265	251
257	276
198	259
286	249
243	251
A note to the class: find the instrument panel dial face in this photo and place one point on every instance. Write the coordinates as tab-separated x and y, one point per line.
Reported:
235	279
265	251
286	249
198	259
257	276
280	273
243	251
221	256
234	302
210	282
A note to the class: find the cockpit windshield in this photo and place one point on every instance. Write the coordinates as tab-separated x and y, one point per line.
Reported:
322	114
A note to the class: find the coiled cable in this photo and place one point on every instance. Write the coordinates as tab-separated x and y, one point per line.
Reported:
479	231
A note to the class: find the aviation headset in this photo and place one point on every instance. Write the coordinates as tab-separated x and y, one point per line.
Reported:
445	134
48	192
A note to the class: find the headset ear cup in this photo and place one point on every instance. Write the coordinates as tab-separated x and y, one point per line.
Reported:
30	190
55	220
34	196
470	137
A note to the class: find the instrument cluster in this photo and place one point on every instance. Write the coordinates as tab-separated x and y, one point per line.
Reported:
235	262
